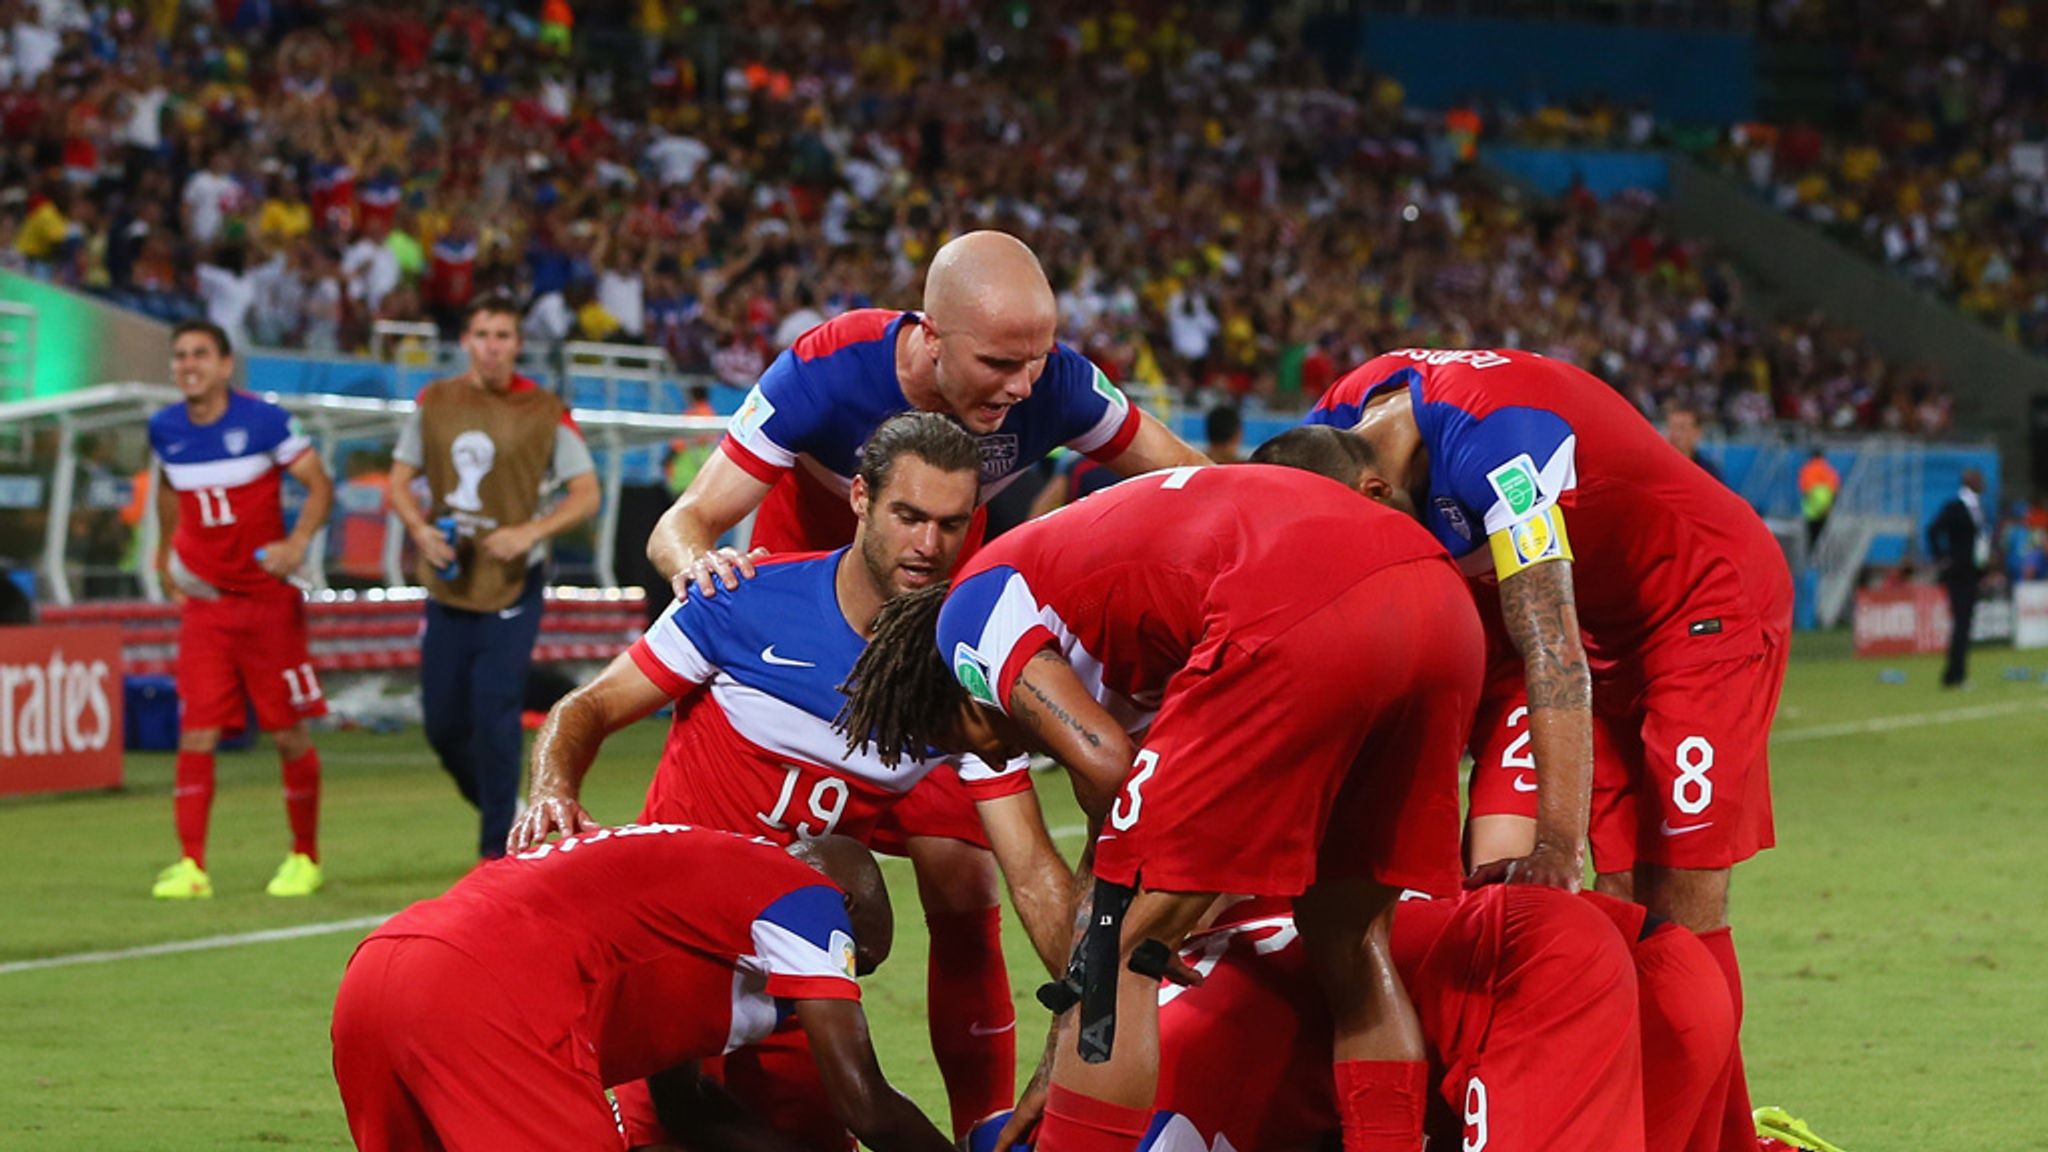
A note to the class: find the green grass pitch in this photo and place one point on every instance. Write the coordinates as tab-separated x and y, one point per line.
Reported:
1895	943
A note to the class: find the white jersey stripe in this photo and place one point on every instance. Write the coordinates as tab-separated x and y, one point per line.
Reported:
230	473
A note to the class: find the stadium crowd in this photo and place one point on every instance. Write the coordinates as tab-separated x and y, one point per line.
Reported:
1940	171
1227	217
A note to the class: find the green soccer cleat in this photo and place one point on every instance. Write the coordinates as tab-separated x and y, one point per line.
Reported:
297	876
1781	1126
185	880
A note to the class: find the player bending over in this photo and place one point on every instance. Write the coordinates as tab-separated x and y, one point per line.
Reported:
1303	672
1642	596
493	1018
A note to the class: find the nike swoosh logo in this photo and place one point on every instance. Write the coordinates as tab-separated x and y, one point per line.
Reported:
1524	784
975	1029
768	656
1668	830
512	612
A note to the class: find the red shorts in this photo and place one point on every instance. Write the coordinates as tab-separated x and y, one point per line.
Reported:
1681	773
1343	733
428	1057
1247	1055
939	805
777	1081
249	648
1527	1005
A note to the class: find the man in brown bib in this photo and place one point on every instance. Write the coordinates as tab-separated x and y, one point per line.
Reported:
492	444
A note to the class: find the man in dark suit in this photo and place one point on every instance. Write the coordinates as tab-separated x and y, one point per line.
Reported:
1959	540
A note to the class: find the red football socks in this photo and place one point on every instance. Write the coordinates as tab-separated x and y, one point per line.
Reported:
1077	1123
302	802
1380	1103
972	1019
193	802
1738	1124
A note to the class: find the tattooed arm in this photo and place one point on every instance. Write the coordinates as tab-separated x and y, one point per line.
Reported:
1049	702
1544	622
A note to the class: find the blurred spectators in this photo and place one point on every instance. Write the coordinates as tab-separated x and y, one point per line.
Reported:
1219	214
1941	171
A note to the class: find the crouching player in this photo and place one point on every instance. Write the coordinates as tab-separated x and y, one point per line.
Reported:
1551	1021
494	1017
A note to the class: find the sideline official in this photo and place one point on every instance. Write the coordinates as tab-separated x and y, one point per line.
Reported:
491	444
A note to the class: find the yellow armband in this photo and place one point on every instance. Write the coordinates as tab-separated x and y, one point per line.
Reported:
1534	541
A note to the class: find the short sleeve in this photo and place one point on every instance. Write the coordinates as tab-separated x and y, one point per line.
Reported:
669	656
1095	416
572	456
986	781
990	626
292	442
1512	466
778	421
804	941
409	450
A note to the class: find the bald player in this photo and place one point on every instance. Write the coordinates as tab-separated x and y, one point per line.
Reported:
983	351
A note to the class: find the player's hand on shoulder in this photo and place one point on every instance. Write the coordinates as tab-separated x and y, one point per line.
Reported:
727	566
1546	867
548	814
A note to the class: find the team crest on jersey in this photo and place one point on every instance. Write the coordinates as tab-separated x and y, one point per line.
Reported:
1454	516
973	673
236	440
998	457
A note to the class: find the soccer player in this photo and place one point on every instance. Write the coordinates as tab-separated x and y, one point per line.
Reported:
490	445
1551	1021
754	674
1303	676
983	351
1641	597
495	1016
228	562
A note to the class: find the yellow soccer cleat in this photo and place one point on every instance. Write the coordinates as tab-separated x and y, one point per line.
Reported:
1781	1126
185	880
297	876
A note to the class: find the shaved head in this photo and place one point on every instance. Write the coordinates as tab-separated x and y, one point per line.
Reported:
851	868
990	320
987	276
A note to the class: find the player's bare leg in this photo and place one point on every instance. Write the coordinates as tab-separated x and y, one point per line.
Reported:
967	985
1105	1107
1620	885
1379	1058
1498	837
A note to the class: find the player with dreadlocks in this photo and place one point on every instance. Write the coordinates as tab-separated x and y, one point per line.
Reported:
1181	606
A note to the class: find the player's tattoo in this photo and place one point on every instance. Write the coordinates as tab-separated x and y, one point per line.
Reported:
1543	619
1028	714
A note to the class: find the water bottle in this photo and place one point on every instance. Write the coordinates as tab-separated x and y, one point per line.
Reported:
453	568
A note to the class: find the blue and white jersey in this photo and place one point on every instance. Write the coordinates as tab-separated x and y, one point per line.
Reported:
756	673
227	475
827	393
